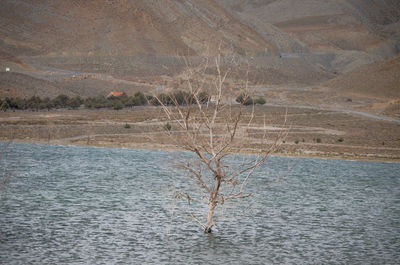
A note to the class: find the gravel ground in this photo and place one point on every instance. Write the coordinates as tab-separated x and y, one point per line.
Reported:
313	132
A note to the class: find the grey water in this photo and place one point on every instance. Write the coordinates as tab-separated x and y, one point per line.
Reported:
88	205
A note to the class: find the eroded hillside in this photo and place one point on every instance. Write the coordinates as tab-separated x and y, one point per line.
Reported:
89	47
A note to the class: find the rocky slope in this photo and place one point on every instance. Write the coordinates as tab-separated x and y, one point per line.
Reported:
51	42
380	80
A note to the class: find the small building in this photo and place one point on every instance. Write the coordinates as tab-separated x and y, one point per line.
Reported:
115	94
7	69
213	99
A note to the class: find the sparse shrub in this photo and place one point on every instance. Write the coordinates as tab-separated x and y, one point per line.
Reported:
33	103
75	102
296	142
244	99
61	101
16	103
168	126
100	102
161	99
131	102
117	105
340	140
203	97
10	102
318	140
180	98
140	98
177	98
46	104
4	105
127	126
21	103
260	101
89	103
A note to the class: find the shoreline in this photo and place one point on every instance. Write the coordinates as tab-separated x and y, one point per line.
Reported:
321	155
312	134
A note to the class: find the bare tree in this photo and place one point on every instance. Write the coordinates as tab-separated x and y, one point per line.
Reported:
206	121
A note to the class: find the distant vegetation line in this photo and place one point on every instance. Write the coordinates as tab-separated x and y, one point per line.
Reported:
36	103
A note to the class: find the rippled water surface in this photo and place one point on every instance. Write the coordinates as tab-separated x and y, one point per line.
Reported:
86	205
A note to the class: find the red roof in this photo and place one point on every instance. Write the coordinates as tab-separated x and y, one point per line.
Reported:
115	94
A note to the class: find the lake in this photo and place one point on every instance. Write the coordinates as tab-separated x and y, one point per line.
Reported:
90	205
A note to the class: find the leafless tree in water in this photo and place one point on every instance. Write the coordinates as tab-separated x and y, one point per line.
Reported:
206	121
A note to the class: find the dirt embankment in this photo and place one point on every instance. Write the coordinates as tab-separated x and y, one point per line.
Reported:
318	133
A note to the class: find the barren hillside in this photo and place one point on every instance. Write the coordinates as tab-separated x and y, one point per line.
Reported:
21	85
380	80
357	32
94	27
331	24
87	47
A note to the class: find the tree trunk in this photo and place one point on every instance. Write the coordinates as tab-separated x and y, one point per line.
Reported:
212	204
210	223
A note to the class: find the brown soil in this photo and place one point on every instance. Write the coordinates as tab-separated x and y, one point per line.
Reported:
380	80
312	132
